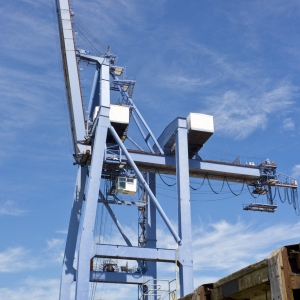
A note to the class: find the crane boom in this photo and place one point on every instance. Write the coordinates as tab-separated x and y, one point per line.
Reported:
71	74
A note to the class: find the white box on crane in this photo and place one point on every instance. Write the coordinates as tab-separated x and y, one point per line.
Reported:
117	114
200	122
126	185
201	128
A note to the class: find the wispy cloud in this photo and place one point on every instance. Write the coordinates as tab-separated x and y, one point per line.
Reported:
32	289
288	124
10	208
240	113
234	246
296	171
17	259
55	250
231	245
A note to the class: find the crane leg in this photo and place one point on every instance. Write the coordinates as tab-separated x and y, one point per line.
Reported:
185	260
68	271
86	245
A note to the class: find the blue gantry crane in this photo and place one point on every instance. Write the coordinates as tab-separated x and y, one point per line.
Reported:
108	169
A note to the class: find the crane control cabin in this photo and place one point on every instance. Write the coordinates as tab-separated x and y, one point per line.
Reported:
108	169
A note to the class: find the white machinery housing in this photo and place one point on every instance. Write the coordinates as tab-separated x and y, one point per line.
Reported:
201	128
126	185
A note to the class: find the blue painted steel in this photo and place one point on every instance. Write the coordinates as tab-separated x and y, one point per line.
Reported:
94	97
185	262
117	223
85	246
167	165
134	143
144	183
135	253
116	277
68	271
151	238
122	202
167	139
125	94
71	74
142	131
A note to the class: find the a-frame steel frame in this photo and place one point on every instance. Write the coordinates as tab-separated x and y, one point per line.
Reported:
171	154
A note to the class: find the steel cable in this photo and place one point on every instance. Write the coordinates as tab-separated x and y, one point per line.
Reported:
251	193
233	191
213	189
164	181
195	189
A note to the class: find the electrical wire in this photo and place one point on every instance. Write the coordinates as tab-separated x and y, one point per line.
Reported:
164	181
195	189
233	191
195	200
252	193
212	187
90	33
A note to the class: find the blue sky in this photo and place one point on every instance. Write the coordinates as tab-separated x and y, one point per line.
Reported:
236	60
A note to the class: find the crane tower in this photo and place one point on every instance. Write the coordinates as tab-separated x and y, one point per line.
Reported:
108	169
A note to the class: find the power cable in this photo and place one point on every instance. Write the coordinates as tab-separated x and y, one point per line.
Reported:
212	187
252	193
233	191
164	181
195	189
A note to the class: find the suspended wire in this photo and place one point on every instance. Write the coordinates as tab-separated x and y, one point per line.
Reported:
288	197
164	181
90	33
280	196
251	192
87	41
292	198
233	191
195	200
212	187
214	200
270	198
195	189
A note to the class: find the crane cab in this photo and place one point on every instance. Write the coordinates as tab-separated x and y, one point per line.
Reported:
126	185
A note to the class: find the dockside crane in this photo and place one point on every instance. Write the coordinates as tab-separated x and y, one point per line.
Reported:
108	169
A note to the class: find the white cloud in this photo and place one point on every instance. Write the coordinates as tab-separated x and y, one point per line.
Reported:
17	259
55	248
218	249
296	171
288	124
240	113
233	246
10	208
32	289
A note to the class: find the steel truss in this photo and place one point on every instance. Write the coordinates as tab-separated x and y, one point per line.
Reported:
100	153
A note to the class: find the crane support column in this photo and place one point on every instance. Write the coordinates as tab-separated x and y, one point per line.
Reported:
68	271
86	246
184	211
151	225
